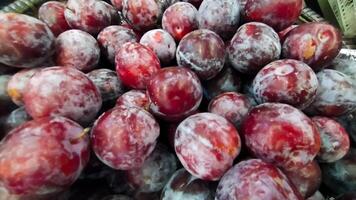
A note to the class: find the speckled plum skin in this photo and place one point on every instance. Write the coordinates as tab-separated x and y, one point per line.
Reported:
175	92
316	196
117	4
335	141
134	98
202	51
253	46
336	94
143	15
162	43
340	176
109	85
278	14
124	137
43	156
286	81
222	17
112	38
52	13
282	135
77	49
17	84
88	15
228	80
306	179
255	179
316	44
231	105
155	171
59	91
182	185
207	144
180	19
136	64
26	42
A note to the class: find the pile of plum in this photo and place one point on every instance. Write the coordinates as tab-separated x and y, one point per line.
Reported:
175	100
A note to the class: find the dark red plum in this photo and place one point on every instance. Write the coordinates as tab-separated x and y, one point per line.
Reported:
134	98
52	13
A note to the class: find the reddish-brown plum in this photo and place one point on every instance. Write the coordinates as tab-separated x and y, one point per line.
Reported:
43	156
155	172
222	17
107	82
112	38
162	43
284	33
306	179
62	91
336	94
253	46
117	4
52	13
278	14
175	92
255	179
77	49
134	98
207	144
231	105
143	15
340	176
26	42
316	44
316	196
282	135
17	83
202	51
335	141
286	81
136	64
124	137
16	118
228	80
88	15
180	19
182	185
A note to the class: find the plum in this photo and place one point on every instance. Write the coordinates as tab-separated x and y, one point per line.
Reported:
17	84
231	105
227	80
306	179
336	94
222	17
253	46
153	175
203	51
26	42
58	152
345	65
255	179
134	98
282	135
180	19
207	144
136	64
335	142
117	4
175	92
124	137
316	44
107	82
77	49
16	118
62	91
162	43
88	15
182	185
286	81
340	176
284	33
112	38
52	13
278	14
